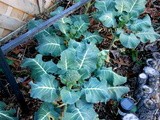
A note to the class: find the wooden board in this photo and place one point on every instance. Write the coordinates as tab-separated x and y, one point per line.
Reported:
23	5
10	23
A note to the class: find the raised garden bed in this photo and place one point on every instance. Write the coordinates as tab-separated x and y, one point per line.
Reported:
103	54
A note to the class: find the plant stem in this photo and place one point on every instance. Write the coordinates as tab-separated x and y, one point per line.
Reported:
89	4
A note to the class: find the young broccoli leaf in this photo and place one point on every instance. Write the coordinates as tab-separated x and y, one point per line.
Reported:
45	89
95	91
47	112
87	56
129	40
38	67
69	96
94	38
53	45
80	111
110	76
6	114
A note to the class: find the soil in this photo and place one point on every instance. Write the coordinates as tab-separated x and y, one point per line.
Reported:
126	62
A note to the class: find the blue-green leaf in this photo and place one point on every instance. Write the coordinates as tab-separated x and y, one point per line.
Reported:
94	38
45	89
108	19
116	92
87	56
6	114
148	35
68	60
53	45
121	5
129	40
80	111
70	77
95	91
103	56
141	24
104	5
110	76
69	96
135	6
38	67
47	112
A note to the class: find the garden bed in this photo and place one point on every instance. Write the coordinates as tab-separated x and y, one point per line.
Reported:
125	62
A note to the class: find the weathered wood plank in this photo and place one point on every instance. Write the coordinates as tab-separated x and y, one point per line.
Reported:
24	5
10	23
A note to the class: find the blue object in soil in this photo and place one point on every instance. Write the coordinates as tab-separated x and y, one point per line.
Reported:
126	105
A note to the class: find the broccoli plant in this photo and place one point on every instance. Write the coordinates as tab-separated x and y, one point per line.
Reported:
70	86
123	17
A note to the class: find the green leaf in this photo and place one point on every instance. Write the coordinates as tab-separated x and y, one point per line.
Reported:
104	5
70	78
69	96
47	112
6	114
129	40
38	67
63	23
42	34
141	24
108	19
135	6
80	111
68	60
45	89
116	92
95	91
79	26
148	35
87	56
121	5
103	56
53	45
110	76
57	11
94	38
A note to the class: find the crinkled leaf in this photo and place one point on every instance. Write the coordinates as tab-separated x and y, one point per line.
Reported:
129	40
68	60
120	5
104	5
110	76
95	91
87	56
103	56
94	38
79	26
80	111
38	67
45	89
70	77
141	24
6	114
63	23
148	35
135	6
53	45
116	92
47	112
69	96
108	19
